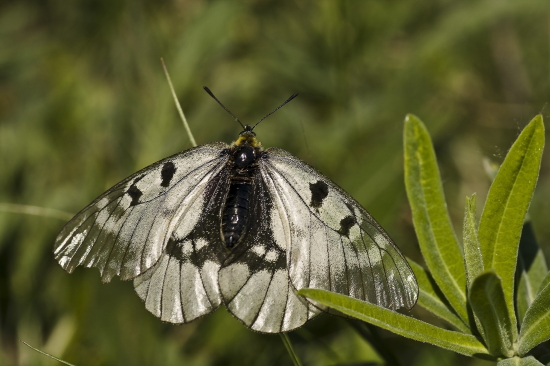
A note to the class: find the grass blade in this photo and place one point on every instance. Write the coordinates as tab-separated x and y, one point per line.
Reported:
178	106
286	341
36	211
47	354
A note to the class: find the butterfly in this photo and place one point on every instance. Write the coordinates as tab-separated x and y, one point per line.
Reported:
237	225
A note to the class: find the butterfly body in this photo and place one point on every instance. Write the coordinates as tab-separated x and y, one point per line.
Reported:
244	168
240	226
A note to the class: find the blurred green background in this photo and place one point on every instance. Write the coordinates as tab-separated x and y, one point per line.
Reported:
84	103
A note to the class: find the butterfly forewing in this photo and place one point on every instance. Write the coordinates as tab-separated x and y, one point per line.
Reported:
184	285
333	243
125	230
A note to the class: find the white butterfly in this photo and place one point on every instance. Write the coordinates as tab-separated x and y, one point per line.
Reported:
238	225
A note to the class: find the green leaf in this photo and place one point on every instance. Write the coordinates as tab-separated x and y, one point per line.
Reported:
433	227
472	252
406	326
507	204
431	299
531	269
535	328
488	303
473	260
517	361
544	282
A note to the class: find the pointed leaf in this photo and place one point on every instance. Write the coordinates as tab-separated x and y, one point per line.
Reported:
544	282
531	269
472	252
488	304
535	328
507	204
431	220
473	260
400	324
516	361
431	299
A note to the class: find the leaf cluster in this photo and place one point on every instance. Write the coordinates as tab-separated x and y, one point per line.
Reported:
494	291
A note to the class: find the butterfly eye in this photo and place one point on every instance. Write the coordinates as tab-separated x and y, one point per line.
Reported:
244	156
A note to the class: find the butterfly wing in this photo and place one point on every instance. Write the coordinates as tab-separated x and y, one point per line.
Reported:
254	280
196	272
161	226
334	243
183	285
125	230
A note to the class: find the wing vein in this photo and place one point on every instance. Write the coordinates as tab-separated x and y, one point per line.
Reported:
95	216
263	301
183	315
102	227
116	240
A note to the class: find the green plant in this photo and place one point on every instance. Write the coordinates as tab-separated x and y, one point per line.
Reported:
472	289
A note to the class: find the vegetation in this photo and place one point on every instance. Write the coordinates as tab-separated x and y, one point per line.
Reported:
475	294
84	103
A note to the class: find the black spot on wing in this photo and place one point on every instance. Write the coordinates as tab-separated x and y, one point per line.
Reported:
167	172
173	249
135	194
319	191
346	224
185	250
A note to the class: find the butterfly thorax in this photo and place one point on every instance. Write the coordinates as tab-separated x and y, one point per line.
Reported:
248	137
244	154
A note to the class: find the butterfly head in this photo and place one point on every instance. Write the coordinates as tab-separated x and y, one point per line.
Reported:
247	137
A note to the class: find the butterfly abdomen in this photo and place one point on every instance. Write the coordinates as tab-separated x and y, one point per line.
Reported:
236	212
236	209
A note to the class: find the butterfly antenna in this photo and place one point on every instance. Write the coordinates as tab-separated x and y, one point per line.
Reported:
276	109
224	107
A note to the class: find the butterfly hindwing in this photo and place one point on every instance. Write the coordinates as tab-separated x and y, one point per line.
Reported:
333	243
254	279
125	230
